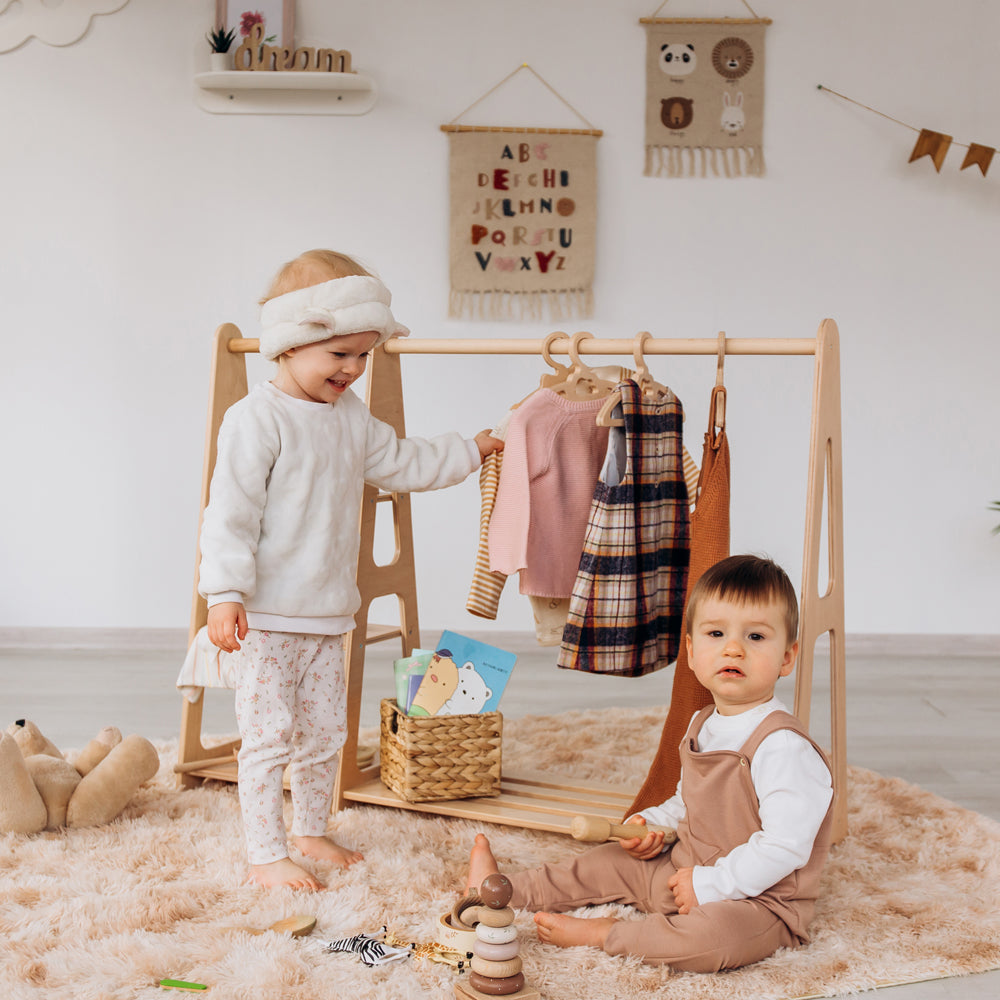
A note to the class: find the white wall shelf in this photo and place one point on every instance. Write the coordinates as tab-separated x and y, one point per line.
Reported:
287	92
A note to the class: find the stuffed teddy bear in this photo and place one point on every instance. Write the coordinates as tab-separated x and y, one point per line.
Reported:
41	790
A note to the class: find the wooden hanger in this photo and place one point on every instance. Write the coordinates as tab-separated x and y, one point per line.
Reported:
648	386
582	382
717	417
559	372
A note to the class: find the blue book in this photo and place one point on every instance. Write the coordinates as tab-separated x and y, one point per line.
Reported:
465	677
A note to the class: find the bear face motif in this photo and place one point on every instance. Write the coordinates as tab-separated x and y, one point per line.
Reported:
470	695
678	59
732	58
676	112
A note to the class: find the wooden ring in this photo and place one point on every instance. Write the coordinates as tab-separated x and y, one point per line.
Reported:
496	952
496	970
496	987
496	935
486	915
464	904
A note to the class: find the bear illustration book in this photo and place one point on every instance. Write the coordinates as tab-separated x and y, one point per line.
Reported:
463	677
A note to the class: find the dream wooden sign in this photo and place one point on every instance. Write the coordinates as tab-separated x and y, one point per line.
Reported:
254	54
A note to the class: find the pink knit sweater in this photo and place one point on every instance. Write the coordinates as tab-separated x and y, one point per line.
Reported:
552	460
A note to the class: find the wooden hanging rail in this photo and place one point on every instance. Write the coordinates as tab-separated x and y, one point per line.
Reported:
511	128
705	20
770	346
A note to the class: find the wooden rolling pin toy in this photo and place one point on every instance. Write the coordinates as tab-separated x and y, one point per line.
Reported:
594	829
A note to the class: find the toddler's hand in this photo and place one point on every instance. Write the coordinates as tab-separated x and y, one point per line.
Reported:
682	884
646	847
487	444
226	623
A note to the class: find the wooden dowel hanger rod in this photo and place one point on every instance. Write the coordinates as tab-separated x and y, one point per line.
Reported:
774	346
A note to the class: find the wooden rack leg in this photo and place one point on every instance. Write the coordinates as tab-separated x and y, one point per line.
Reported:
824	612
398	576
228	383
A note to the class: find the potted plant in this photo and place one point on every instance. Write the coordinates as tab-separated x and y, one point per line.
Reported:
220	41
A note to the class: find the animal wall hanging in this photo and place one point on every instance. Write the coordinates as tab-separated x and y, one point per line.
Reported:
933	144
523	220
704	95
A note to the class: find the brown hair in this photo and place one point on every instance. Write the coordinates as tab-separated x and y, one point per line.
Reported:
747	579
303	270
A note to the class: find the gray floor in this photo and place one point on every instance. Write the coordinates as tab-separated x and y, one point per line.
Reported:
932	720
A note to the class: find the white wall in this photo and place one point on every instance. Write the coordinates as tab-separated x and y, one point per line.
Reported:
133	223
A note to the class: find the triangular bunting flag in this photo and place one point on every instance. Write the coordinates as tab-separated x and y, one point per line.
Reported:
979	156
932	144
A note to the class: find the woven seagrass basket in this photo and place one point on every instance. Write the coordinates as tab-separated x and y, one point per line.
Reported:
435	757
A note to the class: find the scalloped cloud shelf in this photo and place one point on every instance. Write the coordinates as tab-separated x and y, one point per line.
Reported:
63	24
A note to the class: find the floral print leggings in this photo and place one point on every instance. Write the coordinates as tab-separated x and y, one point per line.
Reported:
291	706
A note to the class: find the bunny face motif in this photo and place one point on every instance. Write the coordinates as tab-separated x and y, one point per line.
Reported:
734	119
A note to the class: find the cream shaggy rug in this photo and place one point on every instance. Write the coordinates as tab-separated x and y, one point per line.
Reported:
104	914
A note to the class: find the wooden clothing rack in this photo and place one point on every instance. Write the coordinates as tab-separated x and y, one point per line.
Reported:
539	800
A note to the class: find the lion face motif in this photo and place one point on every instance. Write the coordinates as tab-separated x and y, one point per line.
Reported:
732	58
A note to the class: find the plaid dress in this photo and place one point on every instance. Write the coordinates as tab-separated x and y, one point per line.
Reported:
628	600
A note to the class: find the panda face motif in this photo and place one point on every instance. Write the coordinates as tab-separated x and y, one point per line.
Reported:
677	59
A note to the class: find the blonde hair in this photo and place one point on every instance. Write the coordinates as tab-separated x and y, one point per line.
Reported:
312	268
745	580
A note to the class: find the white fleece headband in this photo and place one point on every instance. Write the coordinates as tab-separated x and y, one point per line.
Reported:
354	304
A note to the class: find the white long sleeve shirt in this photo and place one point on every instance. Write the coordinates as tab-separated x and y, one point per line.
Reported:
794	790
280	532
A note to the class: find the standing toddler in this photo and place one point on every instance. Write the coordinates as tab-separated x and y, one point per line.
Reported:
279	544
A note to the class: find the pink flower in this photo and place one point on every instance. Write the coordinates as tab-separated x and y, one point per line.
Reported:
248	19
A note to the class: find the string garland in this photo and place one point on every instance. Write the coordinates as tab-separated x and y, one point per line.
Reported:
930	143
452	126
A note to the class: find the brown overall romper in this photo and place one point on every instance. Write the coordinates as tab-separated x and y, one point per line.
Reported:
713	936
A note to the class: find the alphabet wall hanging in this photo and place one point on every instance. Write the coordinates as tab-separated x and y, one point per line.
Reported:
704	95
523	219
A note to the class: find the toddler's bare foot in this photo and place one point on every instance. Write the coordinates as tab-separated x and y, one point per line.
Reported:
481	863
565	932
324	849
283	872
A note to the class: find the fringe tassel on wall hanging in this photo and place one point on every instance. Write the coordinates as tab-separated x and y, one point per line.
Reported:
704	96
523	221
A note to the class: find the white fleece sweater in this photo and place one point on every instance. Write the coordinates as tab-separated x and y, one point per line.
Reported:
280	532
